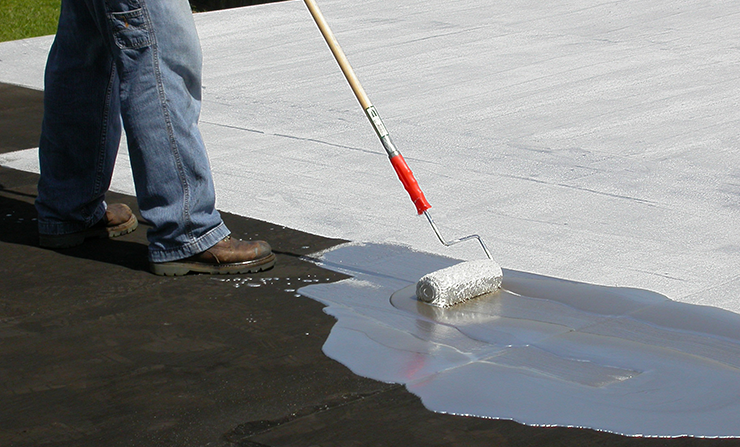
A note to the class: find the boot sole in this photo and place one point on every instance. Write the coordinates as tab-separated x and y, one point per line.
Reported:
175	268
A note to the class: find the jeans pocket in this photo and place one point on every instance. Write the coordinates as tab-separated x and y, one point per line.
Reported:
130	29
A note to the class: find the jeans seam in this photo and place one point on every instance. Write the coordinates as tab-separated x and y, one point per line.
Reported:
103	154
170	132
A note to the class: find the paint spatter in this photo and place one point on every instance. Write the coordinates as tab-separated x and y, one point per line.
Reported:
541	351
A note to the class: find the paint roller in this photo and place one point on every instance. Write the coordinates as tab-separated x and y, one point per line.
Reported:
445	287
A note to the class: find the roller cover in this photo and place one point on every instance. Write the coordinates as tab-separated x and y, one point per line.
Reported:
460	282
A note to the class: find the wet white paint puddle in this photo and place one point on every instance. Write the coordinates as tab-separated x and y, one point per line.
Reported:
542	351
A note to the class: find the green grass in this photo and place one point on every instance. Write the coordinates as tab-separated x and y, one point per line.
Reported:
20	19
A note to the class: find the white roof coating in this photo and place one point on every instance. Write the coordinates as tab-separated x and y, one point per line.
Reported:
593	142
541	350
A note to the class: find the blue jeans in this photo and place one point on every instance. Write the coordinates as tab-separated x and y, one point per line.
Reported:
133	65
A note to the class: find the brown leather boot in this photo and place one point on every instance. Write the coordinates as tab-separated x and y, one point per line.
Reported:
228	256
117	221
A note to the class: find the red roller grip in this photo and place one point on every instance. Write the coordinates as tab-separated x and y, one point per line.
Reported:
410	183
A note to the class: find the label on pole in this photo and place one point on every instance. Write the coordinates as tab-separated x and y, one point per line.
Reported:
377	122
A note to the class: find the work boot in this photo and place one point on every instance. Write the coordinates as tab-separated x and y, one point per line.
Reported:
228	256
117	221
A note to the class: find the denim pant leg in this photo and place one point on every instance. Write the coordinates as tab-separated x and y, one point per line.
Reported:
157	60
159	63
81	128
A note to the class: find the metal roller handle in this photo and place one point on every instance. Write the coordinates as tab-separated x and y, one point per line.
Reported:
456	241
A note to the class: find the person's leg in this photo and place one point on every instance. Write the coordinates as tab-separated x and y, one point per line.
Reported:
158	58
156	71
81	128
